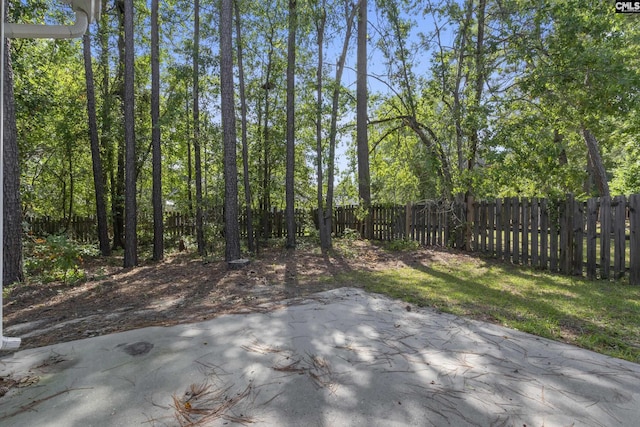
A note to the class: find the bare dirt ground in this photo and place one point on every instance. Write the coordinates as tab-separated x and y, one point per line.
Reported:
184	289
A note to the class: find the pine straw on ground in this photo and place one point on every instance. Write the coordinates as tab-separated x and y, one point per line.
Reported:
184	288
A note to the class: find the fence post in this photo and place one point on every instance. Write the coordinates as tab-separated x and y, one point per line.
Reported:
634	244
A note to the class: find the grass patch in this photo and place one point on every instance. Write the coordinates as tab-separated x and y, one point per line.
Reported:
602	316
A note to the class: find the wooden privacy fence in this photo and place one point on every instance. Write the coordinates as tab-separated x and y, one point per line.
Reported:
269	223
82	229
596	238
599	237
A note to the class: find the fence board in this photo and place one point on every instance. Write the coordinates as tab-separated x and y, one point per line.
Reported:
499	228
634	242
507	230
592	217
544	233
515	211
566	243
578	238
554	234
491	218
605	236
619	217
476	226
535	232
483	226
526	216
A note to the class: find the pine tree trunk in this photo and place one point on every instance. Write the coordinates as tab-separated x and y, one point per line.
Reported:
232	229
117	174
245	148
98	177
290	173
12	239
322	226
196	127
158	220
362	137
131	238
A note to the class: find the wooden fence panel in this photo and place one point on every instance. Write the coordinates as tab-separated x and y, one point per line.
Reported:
461	213
554	234
535	232
634	242
526	218
507	230
592	218
566	241
577	234
483	226
544	233
491	219
499	227
515	211
619	235
605	236
476	226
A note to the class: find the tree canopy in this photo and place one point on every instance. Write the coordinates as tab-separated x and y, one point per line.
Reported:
484	97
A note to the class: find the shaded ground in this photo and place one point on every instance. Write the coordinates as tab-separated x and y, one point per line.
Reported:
184	289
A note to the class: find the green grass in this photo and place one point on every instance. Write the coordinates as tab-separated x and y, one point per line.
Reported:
602	316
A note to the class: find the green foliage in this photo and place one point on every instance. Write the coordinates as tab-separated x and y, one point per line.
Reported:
547	68
346	245
56	258
627	172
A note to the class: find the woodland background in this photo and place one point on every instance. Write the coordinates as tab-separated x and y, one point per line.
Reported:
184	106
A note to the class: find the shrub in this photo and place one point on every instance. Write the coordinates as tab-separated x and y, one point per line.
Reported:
56	258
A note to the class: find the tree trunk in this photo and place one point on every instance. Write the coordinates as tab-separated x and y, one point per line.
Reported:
328	216
131	239
232	230
69	152
474	136
479	84
12	220
98	177
362	136
245	148
266	169
457	108
322	226
290	173
599	171
196	126
189	159
158	220
118	178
